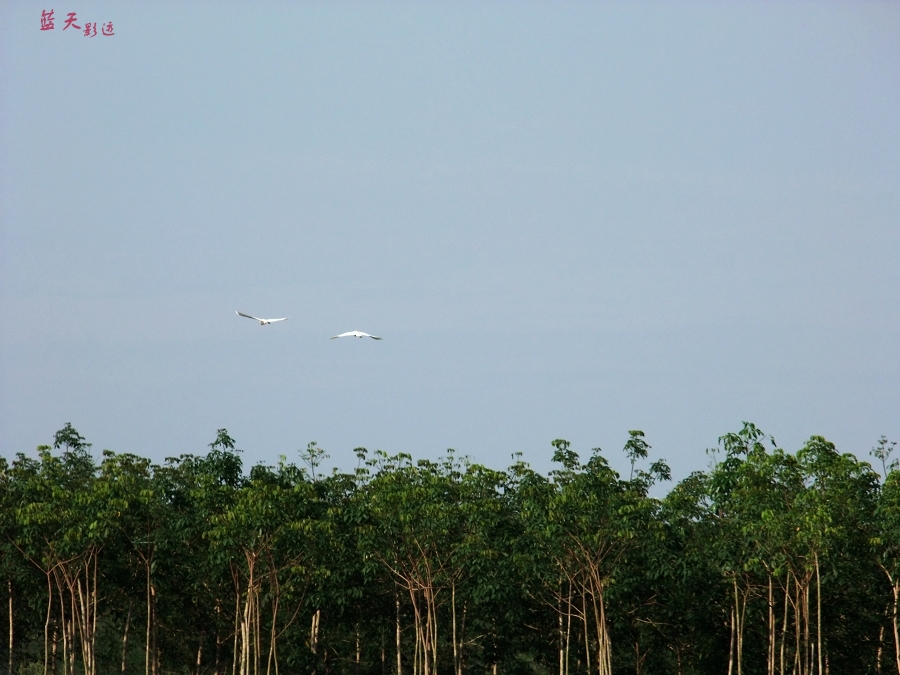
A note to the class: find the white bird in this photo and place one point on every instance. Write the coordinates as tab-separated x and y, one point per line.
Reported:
262	322
355	333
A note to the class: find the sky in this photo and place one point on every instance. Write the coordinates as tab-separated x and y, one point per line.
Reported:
566	220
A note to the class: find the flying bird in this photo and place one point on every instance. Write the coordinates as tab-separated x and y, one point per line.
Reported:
262	322
355	333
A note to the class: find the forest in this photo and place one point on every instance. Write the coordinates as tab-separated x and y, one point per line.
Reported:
769	562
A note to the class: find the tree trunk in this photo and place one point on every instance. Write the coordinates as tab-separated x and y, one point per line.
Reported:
606	653
47	625
272	658
149	619
739	609
53	648
399	652
125	637
784	625
199	659
462	638
896	590
9	664
771	659
455	643
218	638
559	632
806	651
64	626
154	653
819	614
432	601
798	626
587	644
314	632
604	648
880	650
731	644
568	626
71	625
257	618
237	622
95	593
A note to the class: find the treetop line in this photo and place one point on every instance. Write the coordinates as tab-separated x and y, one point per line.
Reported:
769	562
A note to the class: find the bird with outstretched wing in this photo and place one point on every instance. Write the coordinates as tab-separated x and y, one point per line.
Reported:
262	322
355	333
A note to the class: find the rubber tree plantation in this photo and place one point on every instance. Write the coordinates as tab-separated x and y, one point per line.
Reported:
771	562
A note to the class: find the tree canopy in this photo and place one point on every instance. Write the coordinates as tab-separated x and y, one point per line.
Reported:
770	562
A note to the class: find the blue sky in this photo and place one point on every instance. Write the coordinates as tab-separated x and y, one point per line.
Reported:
567	220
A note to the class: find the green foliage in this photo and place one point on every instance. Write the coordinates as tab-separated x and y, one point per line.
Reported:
769	560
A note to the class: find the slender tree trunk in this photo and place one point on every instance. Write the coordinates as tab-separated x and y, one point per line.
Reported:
64	625
82	619
819	614
434	630
9	664
72	630
559	632
787	594
218	638
806	632
47	624
125	637
744	597
731	644
257	616
417	624
587	644
896	590
147	640
237	623
455	643
462	638
154	633
421	661
272	635
798	626
314	632
247	631
880	650
243	628
55	643
568	626
604	648
738	627
96	601
771	613
607	642
398	633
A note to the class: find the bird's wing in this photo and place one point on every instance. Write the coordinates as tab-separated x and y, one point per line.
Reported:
375	337
341	335
274	320
249	317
